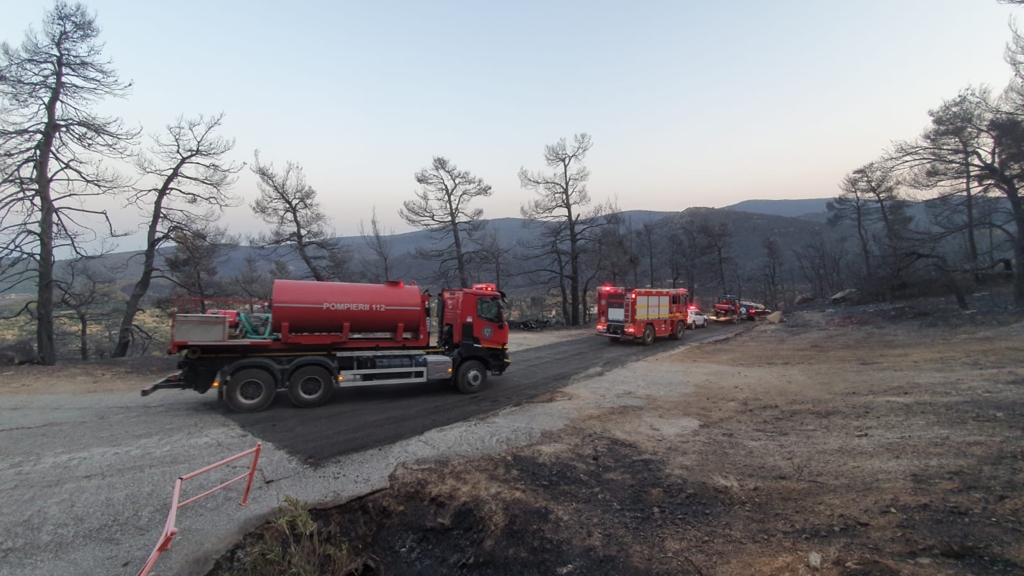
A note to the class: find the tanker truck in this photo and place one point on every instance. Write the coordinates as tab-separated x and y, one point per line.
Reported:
314	337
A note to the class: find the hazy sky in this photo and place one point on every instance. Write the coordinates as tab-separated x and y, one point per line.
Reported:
689	103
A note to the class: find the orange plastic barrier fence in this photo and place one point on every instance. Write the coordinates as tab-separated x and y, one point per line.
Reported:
164	543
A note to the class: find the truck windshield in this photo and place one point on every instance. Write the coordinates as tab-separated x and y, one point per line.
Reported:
489	309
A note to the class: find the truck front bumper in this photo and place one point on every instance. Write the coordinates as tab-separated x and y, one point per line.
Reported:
498	360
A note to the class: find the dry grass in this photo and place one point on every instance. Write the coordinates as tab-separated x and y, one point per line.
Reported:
102	330
296	545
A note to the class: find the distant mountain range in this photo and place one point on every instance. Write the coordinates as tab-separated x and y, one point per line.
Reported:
750	220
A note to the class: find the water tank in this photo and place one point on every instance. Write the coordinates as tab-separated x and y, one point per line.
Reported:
324	307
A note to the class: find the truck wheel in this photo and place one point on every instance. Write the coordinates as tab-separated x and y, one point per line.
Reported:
648	335
310	386
471	377
679	331
250	390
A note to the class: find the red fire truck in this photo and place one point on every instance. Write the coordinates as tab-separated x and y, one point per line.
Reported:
323	335
626	314
730	308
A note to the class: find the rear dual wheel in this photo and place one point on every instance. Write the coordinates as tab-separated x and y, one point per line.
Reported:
310	386
250	390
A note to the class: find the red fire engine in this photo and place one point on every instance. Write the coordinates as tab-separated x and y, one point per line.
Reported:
327	335
641	313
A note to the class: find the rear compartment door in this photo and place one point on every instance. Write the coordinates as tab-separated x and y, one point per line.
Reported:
616	308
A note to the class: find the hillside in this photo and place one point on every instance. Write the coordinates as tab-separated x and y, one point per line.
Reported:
749	228
791	208
127	266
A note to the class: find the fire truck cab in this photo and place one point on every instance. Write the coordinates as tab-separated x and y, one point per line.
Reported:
628	314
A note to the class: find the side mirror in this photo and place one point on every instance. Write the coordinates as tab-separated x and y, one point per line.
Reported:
501	325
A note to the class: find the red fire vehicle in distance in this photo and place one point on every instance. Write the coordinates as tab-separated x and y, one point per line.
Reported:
627	314
730	308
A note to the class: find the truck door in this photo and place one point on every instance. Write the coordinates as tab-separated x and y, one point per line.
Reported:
490	327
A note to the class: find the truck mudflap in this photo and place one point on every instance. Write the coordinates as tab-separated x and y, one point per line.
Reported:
174	381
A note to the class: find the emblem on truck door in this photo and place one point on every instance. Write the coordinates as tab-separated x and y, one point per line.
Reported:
487	332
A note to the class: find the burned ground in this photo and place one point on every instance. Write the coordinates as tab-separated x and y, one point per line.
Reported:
843	443
602	509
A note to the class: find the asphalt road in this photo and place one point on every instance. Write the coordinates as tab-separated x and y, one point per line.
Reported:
360	418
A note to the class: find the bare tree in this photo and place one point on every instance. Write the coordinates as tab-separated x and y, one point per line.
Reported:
1014	54
648	243
496	255
689	253
289	204
872	200
996	160
883	189
378	240
853	205
821	261
253	280
194	265
52	143
189	182
717	238
83	290
546	260
956	127
280	270
562	196
632	252
616	260
966	202
676	258
601	259
772	271
442	207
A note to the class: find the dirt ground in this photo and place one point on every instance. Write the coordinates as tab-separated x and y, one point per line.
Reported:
77	377
851	444
525	339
